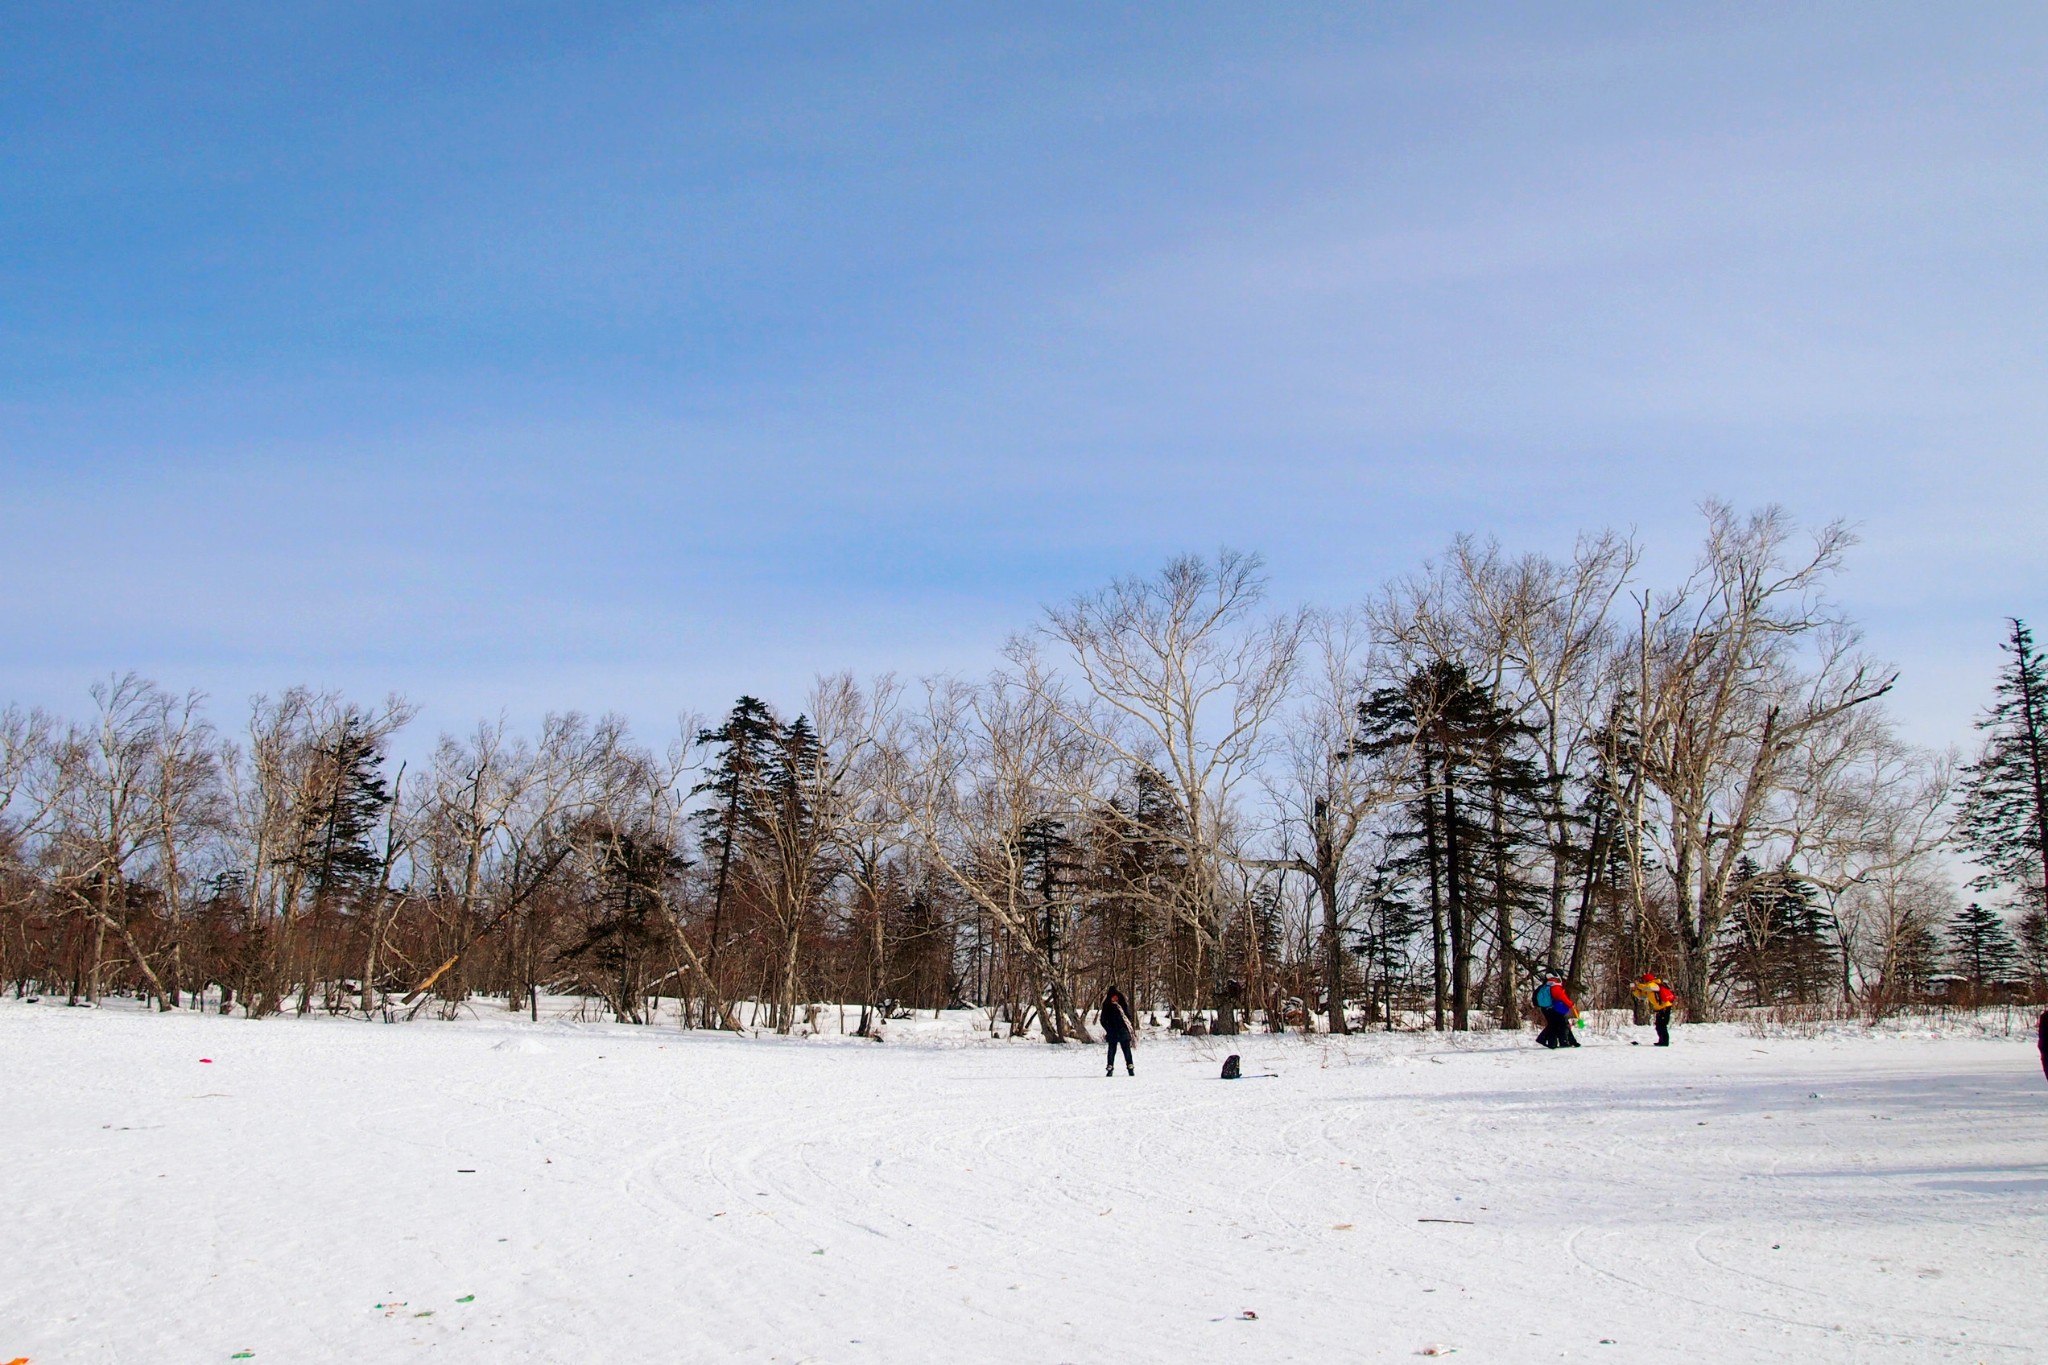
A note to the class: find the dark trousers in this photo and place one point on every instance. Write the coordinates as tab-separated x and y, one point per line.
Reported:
1121	1040
1557	1030
1663	1028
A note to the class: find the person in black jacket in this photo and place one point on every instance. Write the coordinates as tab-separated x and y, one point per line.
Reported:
1119	1022
2043	1044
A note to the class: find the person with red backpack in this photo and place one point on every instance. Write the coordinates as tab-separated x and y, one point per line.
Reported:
1558	1013
1660	1000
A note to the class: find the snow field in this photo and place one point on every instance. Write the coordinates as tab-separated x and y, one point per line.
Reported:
331	1190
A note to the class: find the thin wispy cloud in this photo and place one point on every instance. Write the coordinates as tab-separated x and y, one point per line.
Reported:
635	355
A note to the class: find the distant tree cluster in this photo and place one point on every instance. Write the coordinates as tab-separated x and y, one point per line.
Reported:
1402	814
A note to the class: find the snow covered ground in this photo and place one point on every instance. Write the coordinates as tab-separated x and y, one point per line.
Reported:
493	1190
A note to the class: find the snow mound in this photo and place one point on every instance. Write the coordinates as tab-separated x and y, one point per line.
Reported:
526	1045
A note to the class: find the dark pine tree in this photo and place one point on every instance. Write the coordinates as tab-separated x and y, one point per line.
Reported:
624	932
338	861
1514	790
796	873
921	942
1049	868
1470	826
1780	946
1390	921
2004	821
1265	927
336	851
1387	724
1806	956
1140	880
733	825
1913	963
1742	958
1981	949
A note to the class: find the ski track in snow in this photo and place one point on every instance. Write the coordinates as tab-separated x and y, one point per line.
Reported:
647	1194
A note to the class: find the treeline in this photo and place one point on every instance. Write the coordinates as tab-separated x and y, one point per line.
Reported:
1400	814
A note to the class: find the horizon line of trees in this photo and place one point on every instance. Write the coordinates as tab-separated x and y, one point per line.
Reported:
1405	813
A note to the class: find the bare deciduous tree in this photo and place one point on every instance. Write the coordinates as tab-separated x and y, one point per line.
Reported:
307	755
1329	789
1733	675
991	763
1183	677
108	825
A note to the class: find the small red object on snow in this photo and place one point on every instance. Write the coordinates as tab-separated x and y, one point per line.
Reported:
206	1059
1249	1316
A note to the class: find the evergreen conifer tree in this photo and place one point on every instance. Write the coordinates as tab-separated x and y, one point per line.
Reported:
1741	959
1473	821
625	930
1264	934
1780	945
1914	960
336	850
1049	867
1514	830
1140	870
1386	937
797	866
1806	956
1981	948
733	825
1387	723
921	941
2004	822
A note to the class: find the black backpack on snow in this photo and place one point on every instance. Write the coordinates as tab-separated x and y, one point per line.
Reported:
1231	1070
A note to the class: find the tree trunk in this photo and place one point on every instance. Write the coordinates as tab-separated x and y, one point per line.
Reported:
1461	947
1560	868
99	948
1219	986
1695	932
1510	987
1596	859
172	920
1333	953
718	917
135	951
1436	900
2037	764
786	1001
878	976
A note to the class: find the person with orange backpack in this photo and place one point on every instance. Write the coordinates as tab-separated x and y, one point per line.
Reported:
1660	1000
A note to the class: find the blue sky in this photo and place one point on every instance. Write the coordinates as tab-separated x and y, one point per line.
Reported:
631	356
